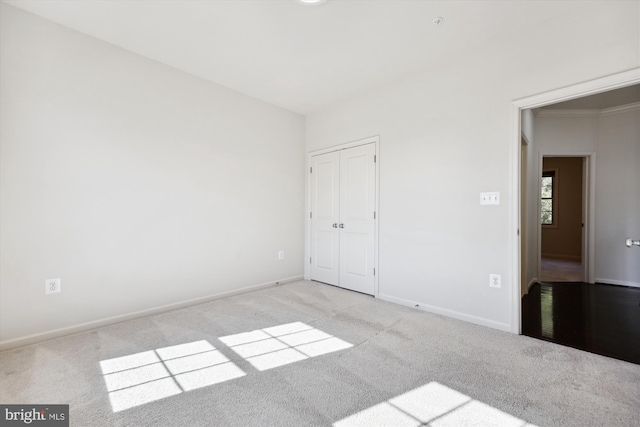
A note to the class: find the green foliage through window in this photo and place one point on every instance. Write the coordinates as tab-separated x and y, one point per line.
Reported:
546	211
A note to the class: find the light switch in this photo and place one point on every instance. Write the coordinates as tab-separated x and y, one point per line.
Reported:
490	198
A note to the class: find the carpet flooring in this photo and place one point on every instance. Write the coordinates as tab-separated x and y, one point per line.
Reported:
308	354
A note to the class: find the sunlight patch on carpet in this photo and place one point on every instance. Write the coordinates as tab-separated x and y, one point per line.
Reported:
433	405
148	376
284	344
152	375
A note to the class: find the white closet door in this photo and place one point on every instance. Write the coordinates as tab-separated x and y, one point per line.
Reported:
325	211
357	221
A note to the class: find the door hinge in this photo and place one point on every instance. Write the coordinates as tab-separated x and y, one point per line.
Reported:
374	214
311	170
374	158
310	214
309	260
374	271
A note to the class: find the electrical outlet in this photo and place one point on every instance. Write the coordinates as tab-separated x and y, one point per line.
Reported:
52	286
495	281
280	254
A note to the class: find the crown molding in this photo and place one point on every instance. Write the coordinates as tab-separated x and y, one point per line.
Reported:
566	113
620	109
539	112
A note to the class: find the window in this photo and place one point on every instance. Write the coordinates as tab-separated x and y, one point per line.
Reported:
548	199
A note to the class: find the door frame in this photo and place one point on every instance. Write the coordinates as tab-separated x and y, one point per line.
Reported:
591	87
588	208
307	247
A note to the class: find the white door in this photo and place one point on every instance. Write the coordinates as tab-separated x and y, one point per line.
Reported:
357	210
343	218
325	216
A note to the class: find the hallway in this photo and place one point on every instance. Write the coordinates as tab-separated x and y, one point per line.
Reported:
560	270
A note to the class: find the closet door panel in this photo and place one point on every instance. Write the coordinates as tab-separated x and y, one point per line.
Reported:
357	223
325	213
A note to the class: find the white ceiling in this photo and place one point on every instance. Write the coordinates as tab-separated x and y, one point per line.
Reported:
301	57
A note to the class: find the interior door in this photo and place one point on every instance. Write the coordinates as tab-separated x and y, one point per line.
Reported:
343	218
357	218
325	216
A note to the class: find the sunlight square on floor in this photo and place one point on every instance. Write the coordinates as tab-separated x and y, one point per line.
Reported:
259	347
209	376
197	361
440	400
148	376
433	405
143	393
276	358
283	344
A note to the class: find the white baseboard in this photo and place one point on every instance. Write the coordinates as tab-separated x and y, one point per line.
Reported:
618	282
449	313
82	327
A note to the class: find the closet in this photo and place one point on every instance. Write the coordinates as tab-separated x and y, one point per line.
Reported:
343	218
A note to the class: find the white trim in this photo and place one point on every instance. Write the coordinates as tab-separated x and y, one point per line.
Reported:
618	282
560	113
83	327
307	247
515	246
591	87
598	85
620	109
339	147
449	313
531	283
566	113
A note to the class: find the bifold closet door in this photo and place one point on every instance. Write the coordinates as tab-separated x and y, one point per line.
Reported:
343	218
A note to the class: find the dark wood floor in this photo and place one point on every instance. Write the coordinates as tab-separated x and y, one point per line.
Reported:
602	319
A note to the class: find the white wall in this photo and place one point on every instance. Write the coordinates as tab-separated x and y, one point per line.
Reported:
615	141
618	198
444	138
136	184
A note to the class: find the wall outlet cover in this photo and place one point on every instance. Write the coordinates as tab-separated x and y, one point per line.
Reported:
52	286
495	281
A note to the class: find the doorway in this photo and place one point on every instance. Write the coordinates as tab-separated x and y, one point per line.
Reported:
562	219
584	306
524	268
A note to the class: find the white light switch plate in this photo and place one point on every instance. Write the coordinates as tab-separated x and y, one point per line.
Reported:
490	198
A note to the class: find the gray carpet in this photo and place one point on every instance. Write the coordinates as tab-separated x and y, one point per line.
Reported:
381	364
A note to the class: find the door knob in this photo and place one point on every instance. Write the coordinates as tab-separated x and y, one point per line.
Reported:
630	242
335	225
341	225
